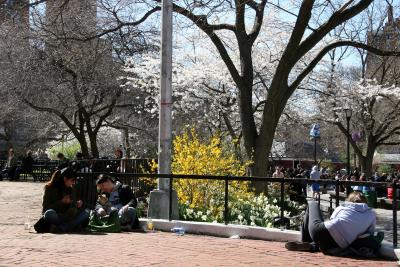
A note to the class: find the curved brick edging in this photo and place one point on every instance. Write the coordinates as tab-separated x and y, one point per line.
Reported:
248	232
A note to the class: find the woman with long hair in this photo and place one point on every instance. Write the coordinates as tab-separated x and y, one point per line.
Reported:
61	210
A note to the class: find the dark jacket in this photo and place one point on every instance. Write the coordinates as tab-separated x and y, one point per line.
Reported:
127	196
52	199
27	164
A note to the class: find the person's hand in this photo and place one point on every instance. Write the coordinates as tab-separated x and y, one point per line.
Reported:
66	199
101	212
125	208
79	204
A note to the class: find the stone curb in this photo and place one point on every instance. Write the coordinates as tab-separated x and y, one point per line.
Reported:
247	232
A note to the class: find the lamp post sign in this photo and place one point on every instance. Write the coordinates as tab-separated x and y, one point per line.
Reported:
315	134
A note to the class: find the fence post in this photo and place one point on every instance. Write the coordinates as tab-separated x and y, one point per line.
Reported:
170	199
226	201
394	207
282	200
337	187
319	199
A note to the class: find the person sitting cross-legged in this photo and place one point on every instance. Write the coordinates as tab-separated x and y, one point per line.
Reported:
62	212
121	198
347	223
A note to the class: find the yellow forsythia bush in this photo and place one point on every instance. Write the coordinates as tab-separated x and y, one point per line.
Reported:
194	156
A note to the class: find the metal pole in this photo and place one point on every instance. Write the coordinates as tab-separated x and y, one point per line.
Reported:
394	207
348	145
282	200
170	200
226	202
165	120
337	193
315	150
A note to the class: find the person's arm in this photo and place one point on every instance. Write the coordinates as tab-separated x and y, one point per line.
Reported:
128	197
51	200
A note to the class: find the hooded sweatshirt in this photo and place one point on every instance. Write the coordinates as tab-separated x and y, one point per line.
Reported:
350	221
315	173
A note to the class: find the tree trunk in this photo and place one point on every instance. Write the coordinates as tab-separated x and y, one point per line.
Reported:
369	157
93	144
84	147
272	112
127	144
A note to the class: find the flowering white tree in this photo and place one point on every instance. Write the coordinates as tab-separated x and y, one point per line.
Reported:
376	113
203	88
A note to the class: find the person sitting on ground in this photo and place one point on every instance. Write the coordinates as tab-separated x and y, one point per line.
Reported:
61	211
63	162
315	175
121	198
349	221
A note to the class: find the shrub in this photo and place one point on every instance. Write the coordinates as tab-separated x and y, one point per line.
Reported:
69	149
192	156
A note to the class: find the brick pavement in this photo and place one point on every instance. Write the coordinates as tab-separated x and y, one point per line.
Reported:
19	247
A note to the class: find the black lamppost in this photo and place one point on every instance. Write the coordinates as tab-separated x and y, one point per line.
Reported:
315	134
348	112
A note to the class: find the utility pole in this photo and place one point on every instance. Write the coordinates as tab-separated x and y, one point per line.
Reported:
165	121
159	199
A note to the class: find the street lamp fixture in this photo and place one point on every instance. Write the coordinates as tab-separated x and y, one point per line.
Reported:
348	112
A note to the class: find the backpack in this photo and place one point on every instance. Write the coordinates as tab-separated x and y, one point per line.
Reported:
367	245
106	224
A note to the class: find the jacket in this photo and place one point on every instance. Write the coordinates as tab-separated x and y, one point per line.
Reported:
349	221
124	194
52	199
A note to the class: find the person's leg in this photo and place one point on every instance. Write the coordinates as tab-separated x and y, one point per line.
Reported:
81	219
127	216
52	217
317	230
305	234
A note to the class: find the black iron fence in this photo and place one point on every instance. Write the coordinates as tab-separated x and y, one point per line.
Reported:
41	170
86	189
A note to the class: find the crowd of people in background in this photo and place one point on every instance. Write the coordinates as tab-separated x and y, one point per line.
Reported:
14	166
316	173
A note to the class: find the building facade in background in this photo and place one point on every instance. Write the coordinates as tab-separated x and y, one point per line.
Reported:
385	69
14	11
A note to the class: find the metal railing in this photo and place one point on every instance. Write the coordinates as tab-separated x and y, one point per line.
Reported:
87	184
86	188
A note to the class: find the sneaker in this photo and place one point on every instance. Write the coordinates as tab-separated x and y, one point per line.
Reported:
126	228
298	246
54	229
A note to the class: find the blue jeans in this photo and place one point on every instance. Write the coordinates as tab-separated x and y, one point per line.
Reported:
127	217
52	217
314	230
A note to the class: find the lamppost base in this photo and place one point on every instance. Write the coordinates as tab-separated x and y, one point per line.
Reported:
158	205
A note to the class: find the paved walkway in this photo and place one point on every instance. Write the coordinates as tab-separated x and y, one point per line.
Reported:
20	247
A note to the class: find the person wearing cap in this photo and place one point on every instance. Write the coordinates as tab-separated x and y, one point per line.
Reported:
61	211
121	198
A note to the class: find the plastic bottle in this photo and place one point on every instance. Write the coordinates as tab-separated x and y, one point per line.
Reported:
178	230
150	225
27	224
